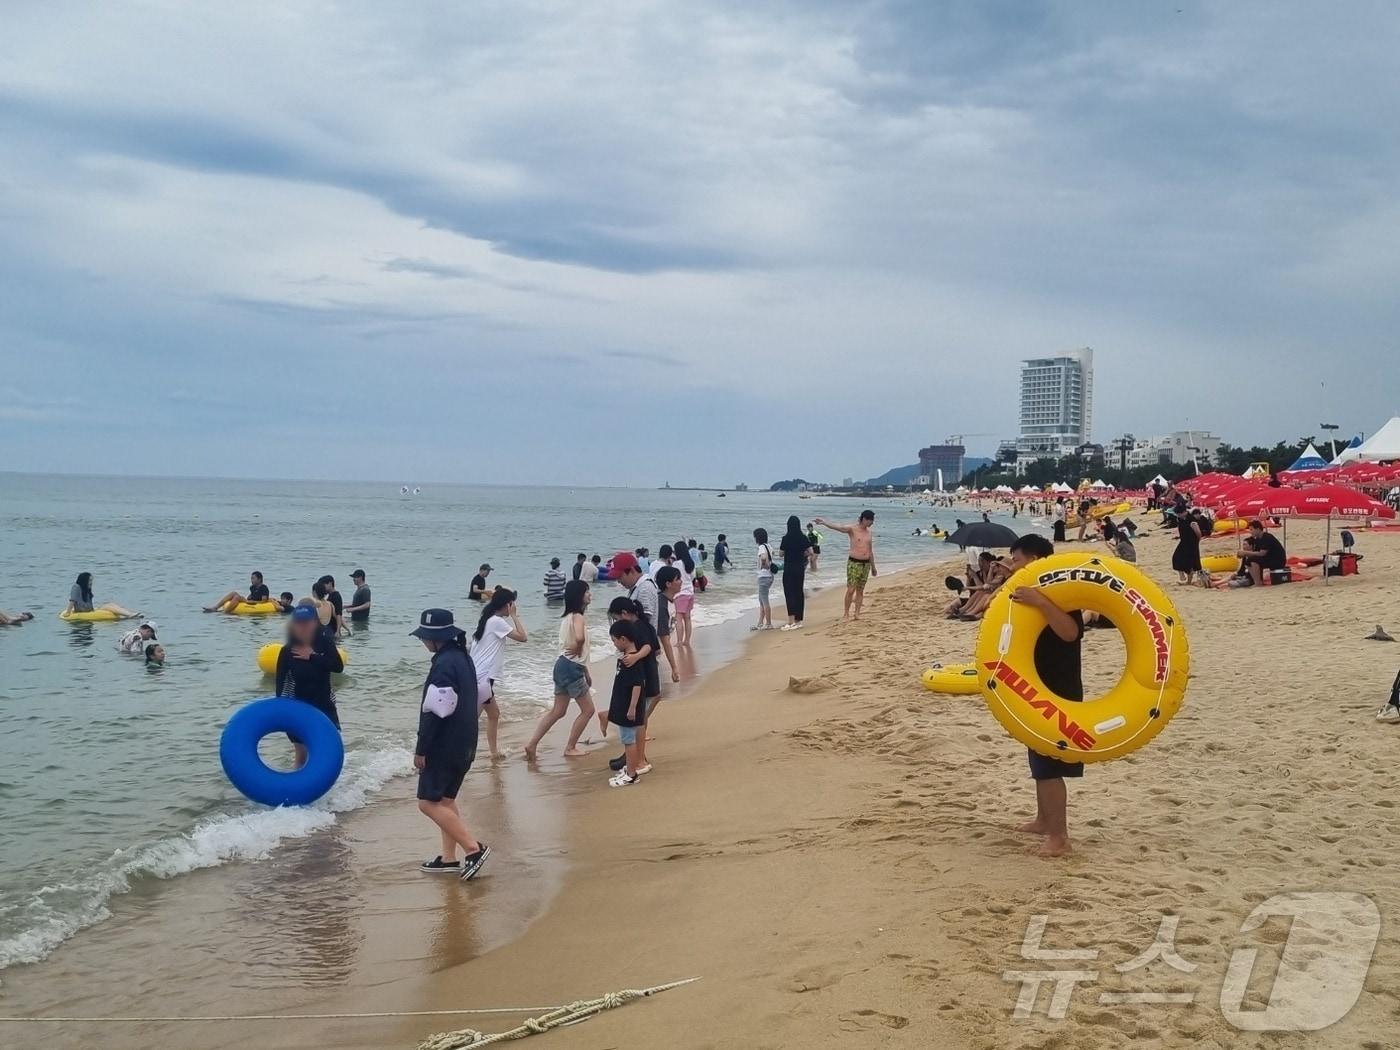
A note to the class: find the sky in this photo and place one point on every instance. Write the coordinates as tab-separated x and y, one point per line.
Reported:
646	242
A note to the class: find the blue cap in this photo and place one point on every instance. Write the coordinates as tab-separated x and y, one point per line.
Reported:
304	612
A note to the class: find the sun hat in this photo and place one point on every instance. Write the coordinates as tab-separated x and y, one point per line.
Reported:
437	625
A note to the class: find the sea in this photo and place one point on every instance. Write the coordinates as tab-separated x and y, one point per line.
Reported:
109	771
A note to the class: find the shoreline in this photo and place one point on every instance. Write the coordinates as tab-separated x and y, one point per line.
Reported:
830	848
388	905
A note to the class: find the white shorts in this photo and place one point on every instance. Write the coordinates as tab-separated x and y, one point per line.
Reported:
484	692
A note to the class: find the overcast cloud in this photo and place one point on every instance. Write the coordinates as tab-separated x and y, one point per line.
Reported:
637	242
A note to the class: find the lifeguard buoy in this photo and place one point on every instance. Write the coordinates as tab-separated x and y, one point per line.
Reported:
1130	714
954	679
238	752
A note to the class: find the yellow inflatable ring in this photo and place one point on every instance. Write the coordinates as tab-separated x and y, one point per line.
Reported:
1130	714
96	616
957	679
267	657
1220	563
255	609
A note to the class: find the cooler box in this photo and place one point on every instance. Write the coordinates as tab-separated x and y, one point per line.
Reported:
1343	564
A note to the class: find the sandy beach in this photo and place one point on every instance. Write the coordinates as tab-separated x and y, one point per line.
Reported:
831	848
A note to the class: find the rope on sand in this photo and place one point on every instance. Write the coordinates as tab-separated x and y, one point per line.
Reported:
573	1013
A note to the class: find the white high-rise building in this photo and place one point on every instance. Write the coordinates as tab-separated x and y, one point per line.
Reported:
1057	404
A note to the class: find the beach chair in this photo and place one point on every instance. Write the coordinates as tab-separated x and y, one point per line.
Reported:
1391	711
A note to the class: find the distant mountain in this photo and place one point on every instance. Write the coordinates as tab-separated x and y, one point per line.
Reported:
896	476
902	476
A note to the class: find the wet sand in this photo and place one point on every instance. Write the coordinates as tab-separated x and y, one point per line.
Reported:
339	921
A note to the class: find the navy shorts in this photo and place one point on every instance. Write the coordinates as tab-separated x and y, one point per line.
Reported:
440	780
329	710
1045	768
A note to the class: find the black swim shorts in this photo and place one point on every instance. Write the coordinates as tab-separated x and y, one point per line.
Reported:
1045	768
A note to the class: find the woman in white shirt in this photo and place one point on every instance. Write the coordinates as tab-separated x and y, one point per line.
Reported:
572	679
488	652
765	580
685	598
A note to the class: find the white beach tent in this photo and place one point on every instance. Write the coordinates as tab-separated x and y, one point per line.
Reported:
1346	454
1060	486
1029	490
1158	480
1100	484
1384	444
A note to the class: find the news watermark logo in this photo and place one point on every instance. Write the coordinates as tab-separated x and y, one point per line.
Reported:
1305	984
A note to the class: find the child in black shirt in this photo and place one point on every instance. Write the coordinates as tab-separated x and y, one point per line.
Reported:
627	710
1057	659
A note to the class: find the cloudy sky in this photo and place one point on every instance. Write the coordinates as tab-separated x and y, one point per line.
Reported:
698	242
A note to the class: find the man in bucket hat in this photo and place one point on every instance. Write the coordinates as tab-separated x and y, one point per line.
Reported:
447	718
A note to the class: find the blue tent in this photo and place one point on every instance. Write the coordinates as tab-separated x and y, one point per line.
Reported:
1311	459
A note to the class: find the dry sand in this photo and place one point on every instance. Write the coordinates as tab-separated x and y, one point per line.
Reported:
830	847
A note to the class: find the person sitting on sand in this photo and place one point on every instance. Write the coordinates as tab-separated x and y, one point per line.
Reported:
446	745
1118	541
257	592
1057	661
80	600
572	678
860	561
14	619
992	573
1263	554
134	643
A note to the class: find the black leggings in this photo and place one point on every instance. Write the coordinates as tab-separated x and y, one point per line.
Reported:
792	595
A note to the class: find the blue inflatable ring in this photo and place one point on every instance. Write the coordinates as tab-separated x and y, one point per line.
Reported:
238	752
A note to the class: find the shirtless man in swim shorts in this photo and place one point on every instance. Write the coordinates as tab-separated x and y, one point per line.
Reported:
860	562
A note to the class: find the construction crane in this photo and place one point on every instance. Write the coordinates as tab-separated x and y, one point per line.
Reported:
957	439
